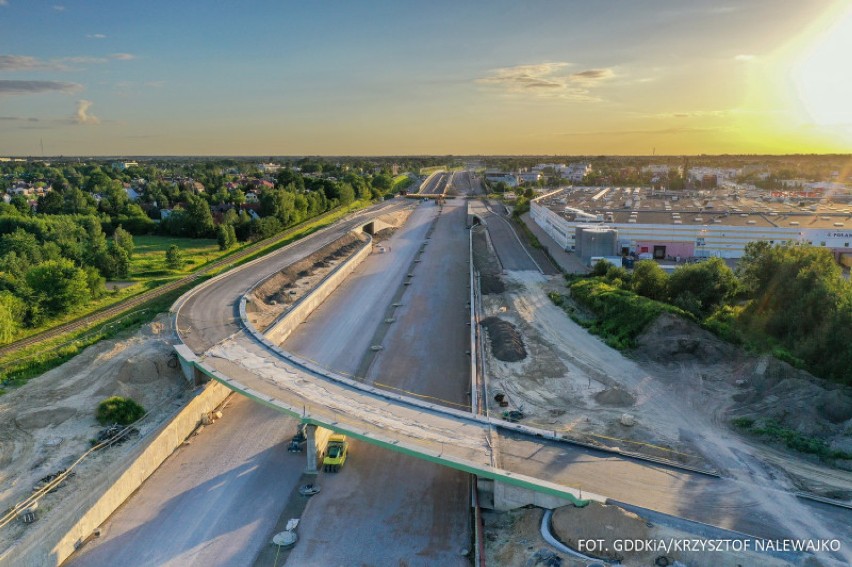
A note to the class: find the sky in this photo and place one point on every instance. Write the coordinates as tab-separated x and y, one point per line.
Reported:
397	77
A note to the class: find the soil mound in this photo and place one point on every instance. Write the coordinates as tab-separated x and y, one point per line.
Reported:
836	409
491	284
615	397
506	342
672	338
598	520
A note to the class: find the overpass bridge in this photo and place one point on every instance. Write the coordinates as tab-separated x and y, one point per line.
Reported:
219	343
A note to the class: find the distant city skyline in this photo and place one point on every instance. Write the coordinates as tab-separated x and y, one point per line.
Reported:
461	77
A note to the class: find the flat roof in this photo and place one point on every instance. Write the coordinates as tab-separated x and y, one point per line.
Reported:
644	205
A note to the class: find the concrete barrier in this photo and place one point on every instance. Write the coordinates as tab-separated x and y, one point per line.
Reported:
287	322
59	533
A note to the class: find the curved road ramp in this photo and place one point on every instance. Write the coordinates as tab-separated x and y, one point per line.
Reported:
533	466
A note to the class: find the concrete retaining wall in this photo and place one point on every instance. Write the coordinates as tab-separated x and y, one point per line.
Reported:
292	318
53	542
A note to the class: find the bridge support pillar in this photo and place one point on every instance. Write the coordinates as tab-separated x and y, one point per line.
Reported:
187	360
311	449
315	447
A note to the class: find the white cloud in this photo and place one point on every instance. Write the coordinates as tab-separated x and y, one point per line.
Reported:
548	80
4	3
96	36
59	7
82	116
123	56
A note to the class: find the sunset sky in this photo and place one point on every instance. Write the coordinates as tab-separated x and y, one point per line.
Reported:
277	77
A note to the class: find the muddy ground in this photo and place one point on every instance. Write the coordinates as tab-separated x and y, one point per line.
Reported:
47	424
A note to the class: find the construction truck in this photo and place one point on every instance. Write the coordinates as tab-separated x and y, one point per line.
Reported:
335	453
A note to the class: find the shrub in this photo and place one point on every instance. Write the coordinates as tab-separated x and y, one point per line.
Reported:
116	409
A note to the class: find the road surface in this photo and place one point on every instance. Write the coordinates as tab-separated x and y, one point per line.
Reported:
213	502
399	509
455	439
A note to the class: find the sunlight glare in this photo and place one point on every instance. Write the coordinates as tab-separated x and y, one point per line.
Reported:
822	76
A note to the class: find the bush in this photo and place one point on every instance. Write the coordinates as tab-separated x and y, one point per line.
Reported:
621	315
116	409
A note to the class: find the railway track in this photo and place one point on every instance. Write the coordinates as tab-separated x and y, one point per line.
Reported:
132	302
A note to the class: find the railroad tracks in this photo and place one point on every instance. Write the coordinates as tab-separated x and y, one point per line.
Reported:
133	302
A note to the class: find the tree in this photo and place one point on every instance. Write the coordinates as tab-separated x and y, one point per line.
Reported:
12	312
95	282
174	258
650	280
123	240
701	288
58	286
382	182
226	236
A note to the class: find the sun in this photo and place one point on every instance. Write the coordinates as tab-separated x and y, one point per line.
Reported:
822	77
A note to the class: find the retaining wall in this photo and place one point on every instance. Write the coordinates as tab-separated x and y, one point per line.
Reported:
60	534
287	322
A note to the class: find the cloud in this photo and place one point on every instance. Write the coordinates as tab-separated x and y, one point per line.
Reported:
36	87
548	80
592	75
82	116
17	119
25	63
745	58
59	7
96	36
123	56
4	3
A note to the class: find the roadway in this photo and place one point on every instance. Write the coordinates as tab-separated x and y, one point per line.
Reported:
212	502
455	439
398	508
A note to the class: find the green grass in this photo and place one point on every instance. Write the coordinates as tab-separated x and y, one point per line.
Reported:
773	431
433	169
19	367
620	315
400	182
149	256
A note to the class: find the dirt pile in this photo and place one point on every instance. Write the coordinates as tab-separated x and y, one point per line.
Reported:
506	342
615	397
671	338
760	387
277	292
485	262
48	423
597	521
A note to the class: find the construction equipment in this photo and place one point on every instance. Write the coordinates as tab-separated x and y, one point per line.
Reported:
335	453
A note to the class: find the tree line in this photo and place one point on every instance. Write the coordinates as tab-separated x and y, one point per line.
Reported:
791	299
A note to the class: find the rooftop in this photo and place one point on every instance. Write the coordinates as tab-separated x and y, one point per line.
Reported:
644	205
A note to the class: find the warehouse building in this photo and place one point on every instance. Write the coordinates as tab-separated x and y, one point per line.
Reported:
696	224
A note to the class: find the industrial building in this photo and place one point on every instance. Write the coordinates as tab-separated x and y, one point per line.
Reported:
678	225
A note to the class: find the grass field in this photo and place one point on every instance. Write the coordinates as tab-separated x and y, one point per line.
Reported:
149	256
18	367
